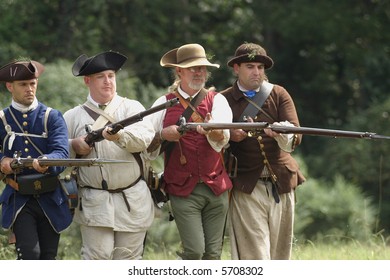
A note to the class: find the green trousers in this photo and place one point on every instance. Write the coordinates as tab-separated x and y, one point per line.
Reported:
200	220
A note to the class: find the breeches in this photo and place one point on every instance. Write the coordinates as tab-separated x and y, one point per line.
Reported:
260	228
200	220
102	243
35	237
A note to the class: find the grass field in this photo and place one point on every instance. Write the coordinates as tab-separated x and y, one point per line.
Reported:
165	245
308	251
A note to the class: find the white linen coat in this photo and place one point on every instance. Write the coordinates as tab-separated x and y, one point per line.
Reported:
100	207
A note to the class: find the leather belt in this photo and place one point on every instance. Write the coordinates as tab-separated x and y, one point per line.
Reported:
120	190
266	179
274	188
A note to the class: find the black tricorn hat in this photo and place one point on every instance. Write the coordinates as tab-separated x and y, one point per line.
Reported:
250	52
20	71
110	60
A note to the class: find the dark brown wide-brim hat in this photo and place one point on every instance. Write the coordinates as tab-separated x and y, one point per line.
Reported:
21	71
186	56
109	60
250	52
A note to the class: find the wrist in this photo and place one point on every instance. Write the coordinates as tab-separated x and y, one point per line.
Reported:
160	135
216	135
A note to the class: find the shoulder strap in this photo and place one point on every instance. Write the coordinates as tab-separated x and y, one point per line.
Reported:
102	117
46	118
94	115
190	109
97	114
2	116
258	100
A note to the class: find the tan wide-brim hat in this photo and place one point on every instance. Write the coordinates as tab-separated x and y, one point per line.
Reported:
186	56
21	71
250	52
84	65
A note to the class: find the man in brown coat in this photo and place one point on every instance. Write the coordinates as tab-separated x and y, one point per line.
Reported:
262	201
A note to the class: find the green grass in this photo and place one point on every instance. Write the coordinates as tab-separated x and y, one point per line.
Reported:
163	242
307	251
351	250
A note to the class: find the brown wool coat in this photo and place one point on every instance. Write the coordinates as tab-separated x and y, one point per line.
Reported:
280	106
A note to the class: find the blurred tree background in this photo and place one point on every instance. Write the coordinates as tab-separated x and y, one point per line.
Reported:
332	56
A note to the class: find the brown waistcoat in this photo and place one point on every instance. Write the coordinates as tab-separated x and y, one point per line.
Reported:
280	106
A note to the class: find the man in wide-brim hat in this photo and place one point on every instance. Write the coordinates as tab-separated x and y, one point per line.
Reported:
36	216
186	56
194	175
262	200
249	52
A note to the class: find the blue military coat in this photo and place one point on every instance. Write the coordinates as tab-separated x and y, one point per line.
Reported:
54	146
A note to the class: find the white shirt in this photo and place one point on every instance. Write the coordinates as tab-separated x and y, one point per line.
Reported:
220	112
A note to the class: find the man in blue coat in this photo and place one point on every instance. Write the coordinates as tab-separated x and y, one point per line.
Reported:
34	206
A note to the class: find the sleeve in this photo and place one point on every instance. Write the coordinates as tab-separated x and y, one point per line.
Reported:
157	122
57	142
286	141
287	116
137	136
221	113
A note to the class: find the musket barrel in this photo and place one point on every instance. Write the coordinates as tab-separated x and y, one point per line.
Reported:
97	135
257	126
28	162
241	125
326	132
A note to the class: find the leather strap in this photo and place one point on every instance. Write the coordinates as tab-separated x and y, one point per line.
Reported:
254	105
120	190
190	109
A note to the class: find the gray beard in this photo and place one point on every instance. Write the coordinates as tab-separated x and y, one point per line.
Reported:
196	86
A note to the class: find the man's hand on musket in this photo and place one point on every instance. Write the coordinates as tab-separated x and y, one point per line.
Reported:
272	133
38	167
214	135
80	146
170	133
5	166
237	135
110	137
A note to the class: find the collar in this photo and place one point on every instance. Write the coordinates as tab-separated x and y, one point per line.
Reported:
90	99
184	94
24	109
244	89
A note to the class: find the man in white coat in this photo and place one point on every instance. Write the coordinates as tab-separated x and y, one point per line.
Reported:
115	207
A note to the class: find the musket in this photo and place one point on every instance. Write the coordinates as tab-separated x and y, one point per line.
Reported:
97	135
254	128
19	162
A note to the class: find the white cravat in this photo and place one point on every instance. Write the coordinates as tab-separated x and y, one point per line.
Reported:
23	108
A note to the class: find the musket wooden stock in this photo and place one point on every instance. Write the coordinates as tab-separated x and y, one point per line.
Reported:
97	135
258	126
